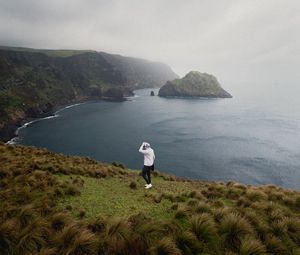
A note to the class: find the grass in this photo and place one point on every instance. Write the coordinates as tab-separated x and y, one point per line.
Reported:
114	197
57	204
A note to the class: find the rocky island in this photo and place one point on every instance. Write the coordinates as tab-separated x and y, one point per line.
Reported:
194	84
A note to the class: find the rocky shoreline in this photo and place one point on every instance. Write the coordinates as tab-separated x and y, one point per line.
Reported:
8	131
33	83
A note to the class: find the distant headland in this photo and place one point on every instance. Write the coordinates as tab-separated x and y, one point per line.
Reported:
33	82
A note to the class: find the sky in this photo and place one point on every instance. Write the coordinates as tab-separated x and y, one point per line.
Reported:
256	41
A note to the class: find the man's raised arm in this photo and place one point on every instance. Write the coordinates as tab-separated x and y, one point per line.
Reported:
141	149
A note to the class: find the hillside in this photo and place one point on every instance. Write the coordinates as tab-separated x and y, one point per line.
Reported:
194	84
33	82
56	204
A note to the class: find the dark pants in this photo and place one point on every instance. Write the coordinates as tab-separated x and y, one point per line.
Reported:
146	173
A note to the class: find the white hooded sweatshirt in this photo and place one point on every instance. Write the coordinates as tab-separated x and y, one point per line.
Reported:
149	155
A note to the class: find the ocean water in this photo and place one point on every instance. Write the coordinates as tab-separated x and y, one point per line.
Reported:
252	138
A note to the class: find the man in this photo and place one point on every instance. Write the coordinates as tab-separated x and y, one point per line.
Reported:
149	158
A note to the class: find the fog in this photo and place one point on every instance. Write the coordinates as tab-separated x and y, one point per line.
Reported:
253	41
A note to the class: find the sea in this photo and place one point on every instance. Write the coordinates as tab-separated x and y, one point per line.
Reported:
252	138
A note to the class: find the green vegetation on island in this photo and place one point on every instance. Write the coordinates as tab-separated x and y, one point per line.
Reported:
194	84
57	204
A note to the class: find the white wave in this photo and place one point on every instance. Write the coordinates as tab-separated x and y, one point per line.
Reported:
13	140
16	139
67	107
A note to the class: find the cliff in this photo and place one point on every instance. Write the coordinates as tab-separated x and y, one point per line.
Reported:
33	82
194	84
57	204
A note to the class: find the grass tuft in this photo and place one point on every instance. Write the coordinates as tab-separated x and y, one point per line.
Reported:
133	185
252	247
233	229
204	228
165	246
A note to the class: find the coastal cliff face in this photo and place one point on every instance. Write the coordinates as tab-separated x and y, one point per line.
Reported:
194	84
33	82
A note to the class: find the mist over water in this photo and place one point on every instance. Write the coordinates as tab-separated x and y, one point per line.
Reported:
252	138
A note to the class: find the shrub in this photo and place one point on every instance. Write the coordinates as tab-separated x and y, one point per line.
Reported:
233	229
243	202
171	197
276	215
98	225
32	237
274	195
26	215
293	227
256	195
48	251
133	185
58	221
202	207
74	240
174	206
59	192
188	243
78	181
155	173
297	201
115	237
220	213
84	243
158	198
240	186
4	173
256	220
180	198
252	247
218	203
275	246
8	238
99	173
203	227
81	214
118	165
230	183
165	246
192	193
170	227
181	214
192	202
233	193
69	207
279	228
72	190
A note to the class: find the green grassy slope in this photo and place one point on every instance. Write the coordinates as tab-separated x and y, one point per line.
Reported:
56	204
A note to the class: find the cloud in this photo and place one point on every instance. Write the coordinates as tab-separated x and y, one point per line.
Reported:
256	40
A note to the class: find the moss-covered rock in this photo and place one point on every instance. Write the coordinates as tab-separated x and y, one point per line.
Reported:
194	84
